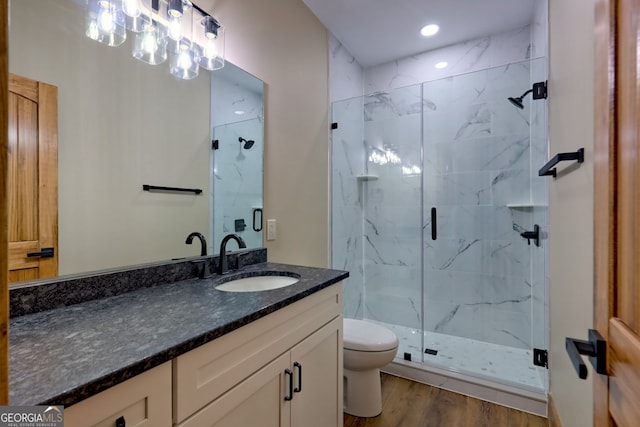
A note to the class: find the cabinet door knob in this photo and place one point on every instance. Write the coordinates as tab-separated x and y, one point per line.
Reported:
298	366
289	396
120	422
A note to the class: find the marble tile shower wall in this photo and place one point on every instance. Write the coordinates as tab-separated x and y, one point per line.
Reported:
480	154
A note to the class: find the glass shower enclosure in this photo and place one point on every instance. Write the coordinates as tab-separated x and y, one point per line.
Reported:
432	187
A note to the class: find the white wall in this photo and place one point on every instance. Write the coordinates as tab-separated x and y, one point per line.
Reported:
284	44
571	201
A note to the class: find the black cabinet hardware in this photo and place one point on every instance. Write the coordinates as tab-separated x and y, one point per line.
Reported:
257	223
146	187
595	348
121	422
434	225
560	157
44	253
289	372
298	366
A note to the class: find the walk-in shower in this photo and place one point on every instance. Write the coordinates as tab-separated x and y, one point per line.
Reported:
435	197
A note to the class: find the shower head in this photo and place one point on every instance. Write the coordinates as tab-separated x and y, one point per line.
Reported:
247	144
539	92
518	101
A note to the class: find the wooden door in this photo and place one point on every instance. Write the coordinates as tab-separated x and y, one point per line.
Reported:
617	210
33	179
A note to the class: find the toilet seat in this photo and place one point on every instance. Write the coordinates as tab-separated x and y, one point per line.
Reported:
360	335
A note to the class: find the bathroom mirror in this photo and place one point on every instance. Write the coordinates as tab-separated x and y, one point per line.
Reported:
122	124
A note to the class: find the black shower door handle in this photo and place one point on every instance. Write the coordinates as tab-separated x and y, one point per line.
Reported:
434	225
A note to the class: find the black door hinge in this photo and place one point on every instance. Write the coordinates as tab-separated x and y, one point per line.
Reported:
215	144
541	357
334	126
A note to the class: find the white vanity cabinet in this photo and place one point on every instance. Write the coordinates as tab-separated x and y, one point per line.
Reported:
282	370
142	401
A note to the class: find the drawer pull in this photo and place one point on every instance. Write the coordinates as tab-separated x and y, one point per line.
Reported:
120	422
289	372
299	366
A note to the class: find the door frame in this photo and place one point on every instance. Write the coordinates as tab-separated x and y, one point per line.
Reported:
4	235
604	188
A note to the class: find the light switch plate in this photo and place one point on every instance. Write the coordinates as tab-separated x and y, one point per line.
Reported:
271	229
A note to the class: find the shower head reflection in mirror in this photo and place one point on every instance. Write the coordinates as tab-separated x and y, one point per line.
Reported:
247	144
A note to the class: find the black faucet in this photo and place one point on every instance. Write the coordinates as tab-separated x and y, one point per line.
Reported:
222	267
203	242
535	235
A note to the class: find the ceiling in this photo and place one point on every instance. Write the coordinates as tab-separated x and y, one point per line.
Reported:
379	31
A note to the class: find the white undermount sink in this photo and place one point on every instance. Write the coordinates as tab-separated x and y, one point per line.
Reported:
257	283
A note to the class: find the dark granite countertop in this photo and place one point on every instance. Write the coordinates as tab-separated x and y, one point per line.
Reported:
68	354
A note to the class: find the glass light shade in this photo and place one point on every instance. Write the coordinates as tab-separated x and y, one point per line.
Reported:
105	22
185	64
179	25
150	44
212	48
137	14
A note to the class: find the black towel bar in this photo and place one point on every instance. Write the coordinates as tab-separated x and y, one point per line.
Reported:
146	187
560	157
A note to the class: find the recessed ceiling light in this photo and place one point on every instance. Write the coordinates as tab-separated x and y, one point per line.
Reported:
442	64
429	30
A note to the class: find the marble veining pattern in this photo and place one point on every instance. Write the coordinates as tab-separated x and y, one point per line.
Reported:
65	355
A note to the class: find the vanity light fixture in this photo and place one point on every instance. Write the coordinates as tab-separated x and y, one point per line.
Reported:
430	30
162	29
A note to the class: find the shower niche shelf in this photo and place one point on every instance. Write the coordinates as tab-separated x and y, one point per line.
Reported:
363	178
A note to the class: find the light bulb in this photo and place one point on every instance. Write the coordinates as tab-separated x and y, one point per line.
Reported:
92	30
184	59
106	18
131	8
184	64
150	45
149	42
209	50
175	28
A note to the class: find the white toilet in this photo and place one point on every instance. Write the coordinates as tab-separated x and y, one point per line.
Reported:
367	348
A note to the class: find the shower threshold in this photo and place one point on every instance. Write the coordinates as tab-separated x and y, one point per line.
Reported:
508	365
497	373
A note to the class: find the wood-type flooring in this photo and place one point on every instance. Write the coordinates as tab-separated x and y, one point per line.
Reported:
410	404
